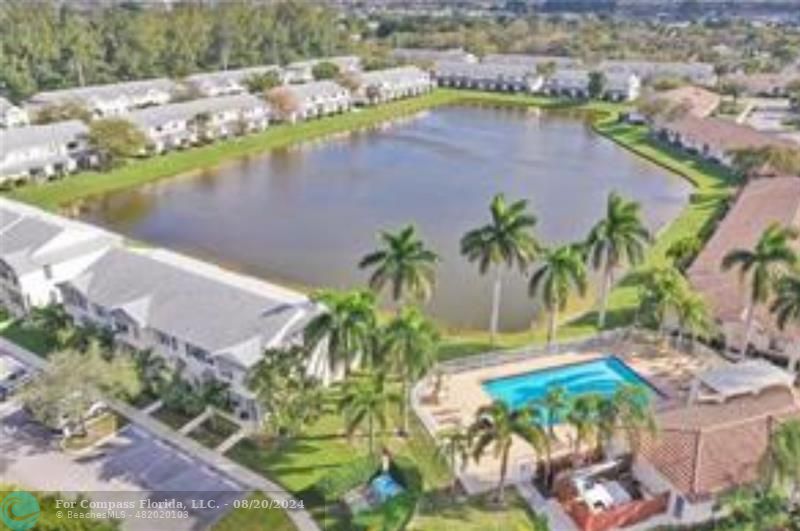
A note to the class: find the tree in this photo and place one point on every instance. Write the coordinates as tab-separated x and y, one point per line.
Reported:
284	102
733	89
661	292
62	112
683	251
628	411
760	266
346	322
753	509
619	238
116	139
583	418
455	444
152	370
749	162
288	398
507	240
413	342
693	316
261	83
325	70
597	84
561	273
786	304
404	263
367	399
62	394
546	69
783	458
495	426
53	321
551	408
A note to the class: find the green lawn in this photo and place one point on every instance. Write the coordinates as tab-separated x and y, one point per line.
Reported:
27	336
255	519
171	417
476	514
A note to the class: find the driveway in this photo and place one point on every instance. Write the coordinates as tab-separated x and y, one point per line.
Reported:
130	467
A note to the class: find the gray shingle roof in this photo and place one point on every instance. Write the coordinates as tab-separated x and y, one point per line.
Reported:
225	77
315	89
483	70
208	312
402	74
128	88
529	60
161	114
58	133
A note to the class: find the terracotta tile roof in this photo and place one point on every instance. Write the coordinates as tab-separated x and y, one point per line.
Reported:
705	449
760	203
699	101
723	135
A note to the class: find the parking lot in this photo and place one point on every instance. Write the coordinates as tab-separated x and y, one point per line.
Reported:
131	466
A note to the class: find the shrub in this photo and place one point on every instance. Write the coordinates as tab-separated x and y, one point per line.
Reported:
339	481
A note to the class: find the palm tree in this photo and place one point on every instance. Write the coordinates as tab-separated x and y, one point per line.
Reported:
583	417
507	240
618	238
693	316
495	425
761	266
627	411
561	272
412	340
367	399
153	371
786	305
662	290
455	444
404	263
550	408
347	322
783	457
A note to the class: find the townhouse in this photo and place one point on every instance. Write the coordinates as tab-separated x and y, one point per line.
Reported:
716	444
776	85
427	56
380	86
574	83
759	204
531	61
38	251
485	76
42	151
11	115
715	138
303	71
651	71
310	100
211	323
109	100
179	125
227	82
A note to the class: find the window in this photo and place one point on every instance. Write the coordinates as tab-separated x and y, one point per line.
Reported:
48	271
99	310
73	298
199	354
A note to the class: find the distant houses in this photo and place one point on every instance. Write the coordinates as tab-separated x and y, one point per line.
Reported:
653	71
380	86
227	82
43	150
303	71
768	85
109	100
293	103
531	61
178	125
576	84
484	76
427	56
11	115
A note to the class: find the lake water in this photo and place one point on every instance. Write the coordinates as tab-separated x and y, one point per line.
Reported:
305	215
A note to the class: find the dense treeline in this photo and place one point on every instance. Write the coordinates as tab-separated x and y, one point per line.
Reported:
733	44
44	45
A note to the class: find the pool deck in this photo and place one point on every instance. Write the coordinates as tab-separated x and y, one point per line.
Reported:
670	371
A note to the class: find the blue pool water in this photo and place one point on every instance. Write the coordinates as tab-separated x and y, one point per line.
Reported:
602	376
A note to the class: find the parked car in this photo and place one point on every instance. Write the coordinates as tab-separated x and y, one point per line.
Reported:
12	375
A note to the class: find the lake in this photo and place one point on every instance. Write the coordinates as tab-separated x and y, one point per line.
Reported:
305	215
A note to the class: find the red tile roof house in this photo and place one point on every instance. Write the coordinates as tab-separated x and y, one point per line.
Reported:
715	138
759	204
707	449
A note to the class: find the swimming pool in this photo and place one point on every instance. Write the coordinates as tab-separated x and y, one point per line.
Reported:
601	376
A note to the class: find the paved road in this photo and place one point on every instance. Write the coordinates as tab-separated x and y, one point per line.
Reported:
131	467
203	456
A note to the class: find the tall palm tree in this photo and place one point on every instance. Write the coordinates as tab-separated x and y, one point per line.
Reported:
662	290
620	237
455	444
550	408
367	399
495	426
784	457
786	305
403	263
412	340
506	241
583	418
761	266
628	411
561	272
347	322
693	316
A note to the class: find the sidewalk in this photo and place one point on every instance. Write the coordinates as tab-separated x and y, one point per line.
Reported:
300	517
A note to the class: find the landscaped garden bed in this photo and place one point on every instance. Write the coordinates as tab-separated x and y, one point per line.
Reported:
214	431
174	418
96	430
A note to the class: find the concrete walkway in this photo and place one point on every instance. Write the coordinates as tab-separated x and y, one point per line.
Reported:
300	517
